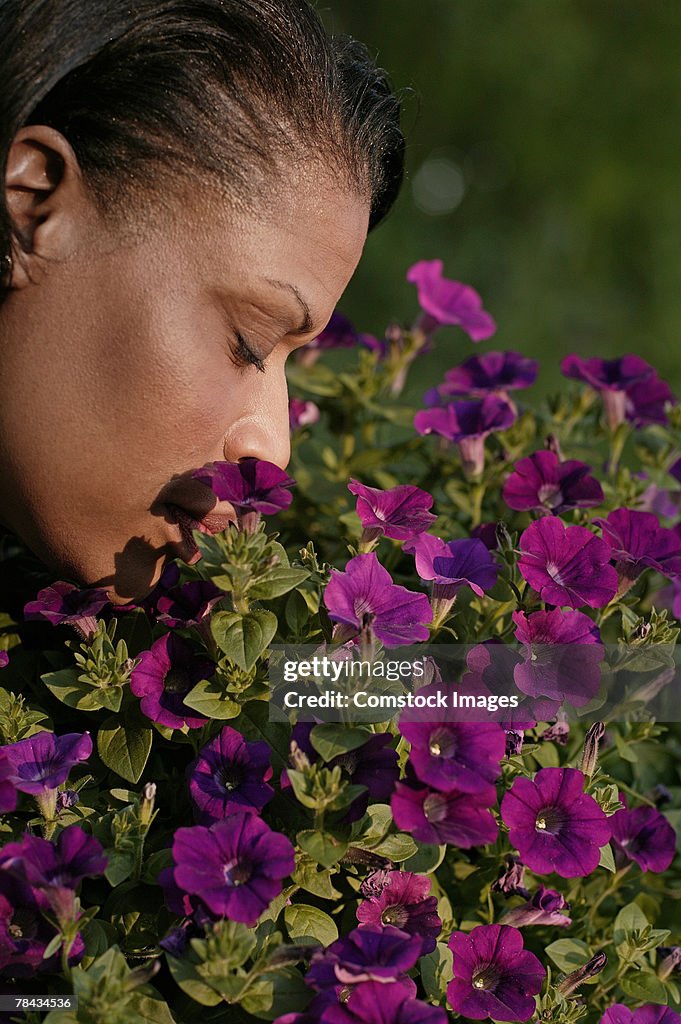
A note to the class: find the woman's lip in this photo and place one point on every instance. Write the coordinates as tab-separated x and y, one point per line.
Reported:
215	521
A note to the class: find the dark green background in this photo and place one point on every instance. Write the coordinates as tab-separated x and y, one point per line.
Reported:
561	124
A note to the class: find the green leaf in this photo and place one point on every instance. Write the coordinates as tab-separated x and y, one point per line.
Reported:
397	847
426	859
330	740
296	612
628	922
275	993
191	982
436	972
568	954
135	629
124	746
146	1008
323	848
244	638
644	987
278	581
209	699
625	750
607	860
119	867
72	691
309	924
312	878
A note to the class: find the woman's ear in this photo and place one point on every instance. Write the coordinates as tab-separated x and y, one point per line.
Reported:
45	198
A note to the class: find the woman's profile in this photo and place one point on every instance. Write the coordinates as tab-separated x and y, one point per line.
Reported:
188	189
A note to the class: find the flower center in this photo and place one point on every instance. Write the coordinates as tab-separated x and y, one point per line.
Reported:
228	778
435	807
236	872
550	820
486	978
396	916
176	681
550	495
554	572
347	762
442	743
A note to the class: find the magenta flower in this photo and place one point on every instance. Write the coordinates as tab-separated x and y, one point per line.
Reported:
487	533
8	793
449	302
4	659
562	653
449	755
338	333
25	933
230	775
164	676
494	975
43	761
648	1014
235	867
251	485
611	377
554	824
543	483
468	423
372	952
301	413
478	375
401	899
187	606
645	401
365	595
645	836
64	604
430	816
638	542
567	565
400	513
454	564
55	870
376	1003
543	907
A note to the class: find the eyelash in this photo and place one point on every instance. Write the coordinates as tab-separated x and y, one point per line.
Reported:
245	356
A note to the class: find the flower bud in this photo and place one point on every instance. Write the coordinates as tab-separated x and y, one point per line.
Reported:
590	755
590	969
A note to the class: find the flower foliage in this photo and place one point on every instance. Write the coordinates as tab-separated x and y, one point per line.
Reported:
173	849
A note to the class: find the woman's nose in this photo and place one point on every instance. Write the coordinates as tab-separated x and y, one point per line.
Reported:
261	430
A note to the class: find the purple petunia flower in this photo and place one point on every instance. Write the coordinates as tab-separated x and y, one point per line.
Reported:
430	816
449	302
567	565
43	761
65	604
254	487
637	542
4	659
374	1003
400	513
365	595
611	377
468	423
230	774
372	952
494	975
301	413
645	401
401	899
487	533
554	824
648	1014
454	564
188	605
450	755
8	793
478	375
235	867
164	676
55	870
562	654
645	836
543	483
25	933
543	907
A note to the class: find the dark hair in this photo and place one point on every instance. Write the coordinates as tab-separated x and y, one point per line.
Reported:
223	87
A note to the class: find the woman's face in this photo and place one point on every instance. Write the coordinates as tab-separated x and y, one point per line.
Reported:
120	368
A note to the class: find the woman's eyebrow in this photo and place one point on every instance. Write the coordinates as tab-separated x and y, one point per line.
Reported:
307	324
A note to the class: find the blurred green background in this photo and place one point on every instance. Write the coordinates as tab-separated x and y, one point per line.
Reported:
544	168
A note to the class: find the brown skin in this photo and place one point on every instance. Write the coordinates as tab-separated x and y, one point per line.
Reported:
117	350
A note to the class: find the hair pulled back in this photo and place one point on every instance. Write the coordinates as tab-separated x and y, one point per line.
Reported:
224	88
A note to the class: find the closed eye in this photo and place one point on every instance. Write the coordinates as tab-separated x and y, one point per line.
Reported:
243	354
